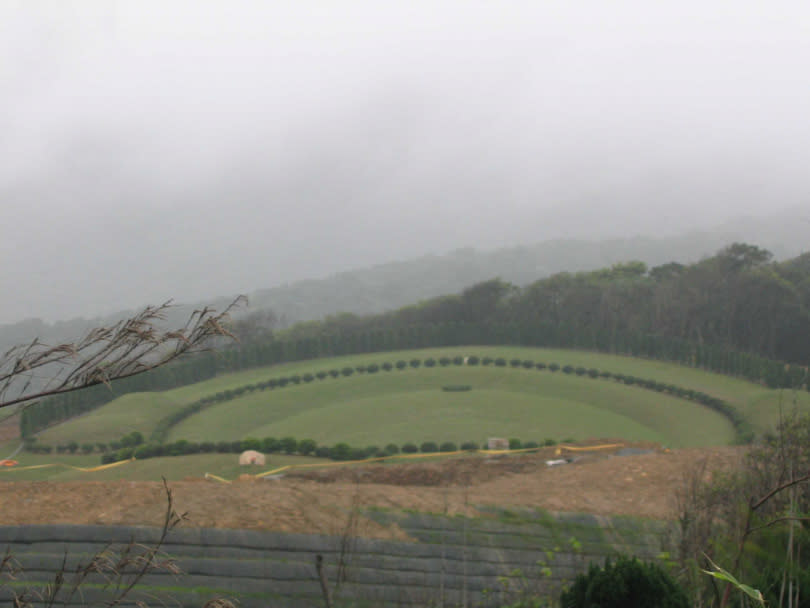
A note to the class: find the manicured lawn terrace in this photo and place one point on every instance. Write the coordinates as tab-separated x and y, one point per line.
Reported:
409	405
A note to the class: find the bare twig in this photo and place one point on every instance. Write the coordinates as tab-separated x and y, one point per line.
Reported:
104	354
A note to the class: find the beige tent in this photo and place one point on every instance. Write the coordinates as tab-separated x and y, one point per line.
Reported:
251	457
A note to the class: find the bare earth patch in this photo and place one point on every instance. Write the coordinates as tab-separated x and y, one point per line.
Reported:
318	502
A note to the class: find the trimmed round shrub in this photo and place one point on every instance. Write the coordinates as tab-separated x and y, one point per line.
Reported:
321	375
445	361
580	371
487	361
308	377
458	360
625	582
347	371
296	379
456	388
515	444
540	365
568	369
334	373
392	448
373	368
429	447
270	445
604	374
251	443
448	446
410	448
307	446
500	362
323	451
549	442
401	364
469	445
554	367
530	445
361	369
431	362
415	363
515	362
387	366
473	360
528	364
340	451
282	382
289	445
372	451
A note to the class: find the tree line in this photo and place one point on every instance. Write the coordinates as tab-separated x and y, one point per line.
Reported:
736	313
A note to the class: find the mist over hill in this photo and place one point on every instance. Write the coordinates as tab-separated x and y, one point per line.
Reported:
381	287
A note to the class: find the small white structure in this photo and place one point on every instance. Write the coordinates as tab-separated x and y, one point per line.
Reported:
497	443
249	457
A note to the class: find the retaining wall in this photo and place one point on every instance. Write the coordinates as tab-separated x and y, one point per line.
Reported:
484	561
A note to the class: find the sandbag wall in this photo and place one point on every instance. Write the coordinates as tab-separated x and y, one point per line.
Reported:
451	561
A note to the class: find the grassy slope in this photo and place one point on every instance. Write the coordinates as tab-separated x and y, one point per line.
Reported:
409	405
142	411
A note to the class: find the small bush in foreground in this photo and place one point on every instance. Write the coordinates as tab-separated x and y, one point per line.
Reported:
625	582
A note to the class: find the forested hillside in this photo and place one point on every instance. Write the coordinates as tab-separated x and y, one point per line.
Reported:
736	313
737	299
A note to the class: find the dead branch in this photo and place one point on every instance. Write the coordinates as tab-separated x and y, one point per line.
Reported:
127	348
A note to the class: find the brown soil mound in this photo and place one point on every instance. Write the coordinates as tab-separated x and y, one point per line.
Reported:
641	485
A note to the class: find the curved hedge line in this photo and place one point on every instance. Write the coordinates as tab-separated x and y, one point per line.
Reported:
742	428
755	368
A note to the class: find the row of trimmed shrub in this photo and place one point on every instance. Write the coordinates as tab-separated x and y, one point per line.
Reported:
133	439
744	432
303	447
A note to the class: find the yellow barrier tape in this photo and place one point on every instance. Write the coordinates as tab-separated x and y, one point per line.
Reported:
588	448
102	467
217	477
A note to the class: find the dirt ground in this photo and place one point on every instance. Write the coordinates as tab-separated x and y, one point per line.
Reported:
318	502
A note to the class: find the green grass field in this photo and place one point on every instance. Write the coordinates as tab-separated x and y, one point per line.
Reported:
408	405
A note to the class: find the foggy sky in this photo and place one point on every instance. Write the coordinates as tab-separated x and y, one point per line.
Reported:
151	150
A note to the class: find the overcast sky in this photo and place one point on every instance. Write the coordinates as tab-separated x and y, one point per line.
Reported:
154	149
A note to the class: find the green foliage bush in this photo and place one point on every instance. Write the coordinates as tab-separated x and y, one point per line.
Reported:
469	445
458	360
307	447
540	365
429	447
392	448
500	362
410	448
415	363
456	388
387	366
430	362
568	369
527	364
347	371
623	583
515	362
448	446
515	444
401	364
487	361
373	368
554	367
473	360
